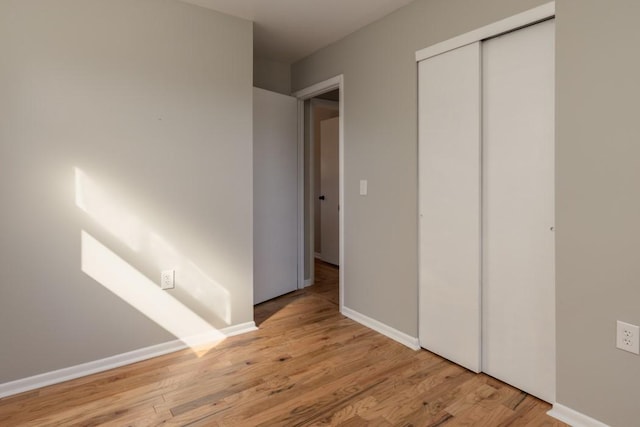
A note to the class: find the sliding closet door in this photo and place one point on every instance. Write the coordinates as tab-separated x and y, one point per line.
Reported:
449	188
518	209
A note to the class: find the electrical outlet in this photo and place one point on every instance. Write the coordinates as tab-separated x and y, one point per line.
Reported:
168	279
627	337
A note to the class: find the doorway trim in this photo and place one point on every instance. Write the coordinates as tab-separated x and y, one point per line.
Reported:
302	95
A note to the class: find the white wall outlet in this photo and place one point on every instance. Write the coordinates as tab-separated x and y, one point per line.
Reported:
168	279
627	337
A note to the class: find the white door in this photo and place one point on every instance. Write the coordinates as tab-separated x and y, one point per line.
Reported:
518	209
329	190
449	157
275	168
499	97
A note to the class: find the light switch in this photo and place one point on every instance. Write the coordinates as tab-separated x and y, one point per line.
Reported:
363	187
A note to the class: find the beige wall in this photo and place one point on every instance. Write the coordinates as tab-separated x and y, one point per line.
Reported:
272	75
598	203
380	119
152	101
598	206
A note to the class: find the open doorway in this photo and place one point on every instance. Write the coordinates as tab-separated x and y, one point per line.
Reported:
321	194
324	119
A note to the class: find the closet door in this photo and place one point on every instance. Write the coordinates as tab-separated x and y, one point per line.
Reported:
518	209
449	205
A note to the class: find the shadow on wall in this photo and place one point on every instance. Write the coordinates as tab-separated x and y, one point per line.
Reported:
120	277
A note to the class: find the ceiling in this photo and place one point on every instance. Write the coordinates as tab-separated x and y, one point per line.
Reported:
288	30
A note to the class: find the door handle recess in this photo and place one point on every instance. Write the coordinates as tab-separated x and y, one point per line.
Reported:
321	197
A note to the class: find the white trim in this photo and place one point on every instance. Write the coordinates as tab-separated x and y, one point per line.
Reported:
336	82
573	418
307	283
531	16
386	330
101	365
311	244
300	147
239	329
317	255
341	283
320	88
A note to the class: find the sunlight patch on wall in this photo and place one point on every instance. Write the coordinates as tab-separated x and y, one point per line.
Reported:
94	201
115	274
189	277
129	229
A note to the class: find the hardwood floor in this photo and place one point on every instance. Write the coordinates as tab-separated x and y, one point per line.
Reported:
307	365
326	284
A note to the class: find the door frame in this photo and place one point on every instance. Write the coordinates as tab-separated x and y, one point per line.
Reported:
302	95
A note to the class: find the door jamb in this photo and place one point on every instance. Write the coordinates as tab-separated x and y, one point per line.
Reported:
302	95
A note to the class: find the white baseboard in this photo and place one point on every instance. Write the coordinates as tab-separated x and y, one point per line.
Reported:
84	369
307	283
317	255
242	328
394	334
573	418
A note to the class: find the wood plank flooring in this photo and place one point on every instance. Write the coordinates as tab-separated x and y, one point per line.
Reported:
306	366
